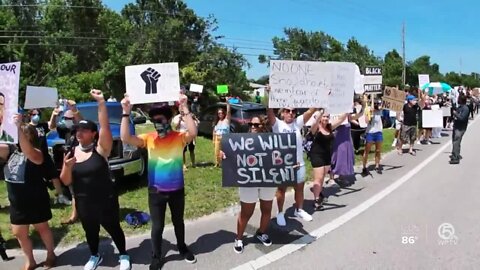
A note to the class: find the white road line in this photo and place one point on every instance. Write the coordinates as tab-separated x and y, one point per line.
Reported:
287	249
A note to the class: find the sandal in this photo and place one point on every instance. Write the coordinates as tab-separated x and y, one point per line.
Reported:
50	262
32	267
413	153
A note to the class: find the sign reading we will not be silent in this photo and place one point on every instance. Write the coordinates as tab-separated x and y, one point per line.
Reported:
259	160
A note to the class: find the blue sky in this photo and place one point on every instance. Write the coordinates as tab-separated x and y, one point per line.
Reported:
448	31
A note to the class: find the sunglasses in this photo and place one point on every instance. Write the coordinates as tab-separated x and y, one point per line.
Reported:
68	118
290	111
255	125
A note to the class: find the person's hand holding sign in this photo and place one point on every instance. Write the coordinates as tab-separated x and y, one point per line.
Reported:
18	119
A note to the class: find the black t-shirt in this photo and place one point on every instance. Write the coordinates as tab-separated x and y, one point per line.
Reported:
410	114
42	130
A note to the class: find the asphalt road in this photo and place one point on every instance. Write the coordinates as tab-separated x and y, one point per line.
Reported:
388	221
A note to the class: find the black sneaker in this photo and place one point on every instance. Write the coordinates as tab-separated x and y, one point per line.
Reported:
3	250
365	172
238	246
187	255
263	237
156	264
378	170
454	161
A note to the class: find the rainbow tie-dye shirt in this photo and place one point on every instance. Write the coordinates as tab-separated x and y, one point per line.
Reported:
165	160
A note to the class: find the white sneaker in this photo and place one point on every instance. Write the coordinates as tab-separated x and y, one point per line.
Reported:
419	142
303	215
63	200
281	219
125	262
93	262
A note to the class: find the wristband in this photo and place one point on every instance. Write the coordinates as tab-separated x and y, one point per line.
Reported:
125	115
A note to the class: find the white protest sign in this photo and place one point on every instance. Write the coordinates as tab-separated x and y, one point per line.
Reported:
432	119
40	97
298	84
447	111
423	79
152	83
196	88
9	84
372	80
435	107
342	84
358	81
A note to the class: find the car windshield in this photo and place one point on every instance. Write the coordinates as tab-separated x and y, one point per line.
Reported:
248	114
91	113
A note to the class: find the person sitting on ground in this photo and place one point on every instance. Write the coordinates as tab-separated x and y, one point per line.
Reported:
165	172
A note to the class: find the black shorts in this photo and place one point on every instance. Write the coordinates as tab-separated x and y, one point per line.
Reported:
320	160
190	146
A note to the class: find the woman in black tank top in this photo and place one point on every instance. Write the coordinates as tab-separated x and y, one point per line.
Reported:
86	169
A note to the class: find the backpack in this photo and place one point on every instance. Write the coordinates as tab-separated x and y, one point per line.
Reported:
137	219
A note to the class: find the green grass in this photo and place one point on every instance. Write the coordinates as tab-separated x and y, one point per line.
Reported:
203	187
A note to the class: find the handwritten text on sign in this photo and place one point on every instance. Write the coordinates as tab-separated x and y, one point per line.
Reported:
299	84
393	99
342	84
259	160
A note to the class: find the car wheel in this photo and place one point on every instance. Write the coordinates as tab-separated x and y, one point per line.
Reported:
143	168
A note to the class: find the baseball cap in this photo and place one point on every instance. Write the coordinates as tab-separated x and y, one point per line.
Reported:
411	97
86	124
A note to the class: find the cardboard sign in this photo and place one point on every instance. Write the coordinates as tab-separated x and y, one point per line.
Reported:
259	160
152	83
476	92
299	84
196	88
222	89
423	79
432	119
342	84
9	85
393	99
40	97
373	80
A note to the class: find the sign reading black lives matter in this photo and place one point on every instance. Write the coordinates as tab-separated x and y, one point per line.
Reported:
259	160
372	80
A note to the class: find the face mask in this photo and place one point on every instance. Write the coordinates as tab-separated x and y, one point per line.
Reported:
68	124
414	102
162	129
35	119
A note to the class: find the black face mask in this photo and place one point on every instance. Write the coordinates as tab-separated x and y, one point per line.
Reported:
162	128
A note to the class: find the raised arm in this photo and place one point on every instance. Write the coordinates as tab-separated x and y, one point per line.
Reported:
270	113
187	117
52	124
314	127
125	126
31	153
357	115
105	139
229	111
339	121
308	114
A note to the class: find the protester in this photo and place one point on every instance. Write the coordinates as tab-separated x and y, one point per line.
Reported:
86	169
4	136
27	193
221	127
51	173
470	103
374	136
343	157
249	197
195	106
356	130
258	98
178	124
290	124
427	132
408	118
165	172
460	118
321	152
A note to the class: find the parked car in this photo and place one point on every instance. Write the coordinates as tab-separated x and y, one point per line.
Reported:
124	159
241	115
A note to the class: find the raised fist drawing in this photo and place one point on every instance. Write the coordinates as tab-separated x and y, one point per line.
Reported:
150	77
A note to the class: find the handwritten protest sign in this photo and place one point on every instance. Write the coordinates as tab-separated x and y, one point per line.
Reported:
9	84
152	83
259	160
196	88
299	84
40	97
432	118
423	79
222	89
342	85
446	111
393	99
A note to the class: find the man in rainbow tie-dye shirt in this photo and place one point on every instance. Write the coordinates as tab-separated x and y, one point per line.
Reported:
165	172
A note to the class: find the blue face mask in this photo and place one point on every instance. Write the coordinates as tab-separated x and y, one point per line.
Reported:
35	119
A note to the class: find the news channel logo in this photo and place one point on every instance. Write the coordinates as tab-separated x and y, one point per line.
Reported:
446	232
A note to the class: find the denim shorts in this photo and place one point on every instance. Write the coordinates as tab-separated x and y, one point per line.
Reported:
374	137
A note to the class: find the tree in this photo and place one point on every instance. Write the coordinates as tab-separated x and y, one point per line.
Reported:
392	69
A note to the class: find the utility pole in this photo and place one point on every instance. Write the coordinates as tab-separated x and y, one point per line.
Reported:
404	71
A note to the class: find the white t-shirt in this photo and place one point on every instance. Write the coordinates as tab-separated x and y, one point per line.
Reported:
295	127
